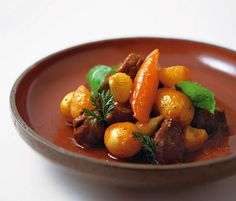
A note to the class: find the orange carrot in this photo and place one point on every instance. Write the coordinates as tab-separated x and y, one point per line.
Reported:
145	85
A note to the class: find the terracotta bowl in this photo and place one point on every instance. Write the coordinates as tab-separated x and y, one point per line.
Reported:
36	94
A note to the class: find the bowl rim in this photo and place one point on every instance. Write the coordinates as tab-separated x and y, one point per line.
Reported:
124	165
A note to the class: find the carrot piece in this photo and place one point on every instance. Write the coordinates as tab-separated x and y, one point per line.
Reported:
145	85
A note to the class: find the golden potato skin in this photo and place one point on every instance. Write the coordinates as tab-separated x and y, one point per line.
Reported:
65	106
172	75
194	138
173	104
119	140
121	86
80	100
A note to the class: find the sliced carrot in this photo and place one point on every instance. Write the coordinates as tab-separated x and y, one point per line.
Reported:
145	85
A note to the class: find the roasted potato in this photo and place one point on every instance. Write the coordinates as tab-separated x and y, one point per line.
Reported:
174	74
119	140
194	138
121	86
173	104
65	106
80	100
151	126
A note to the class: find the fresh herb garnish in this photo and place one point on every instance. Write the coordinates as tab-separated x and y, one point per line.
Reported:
200	96
103	104
149	146
96	76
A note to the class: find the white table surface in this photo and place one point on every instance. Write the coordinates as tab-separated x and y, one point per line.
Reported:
31	30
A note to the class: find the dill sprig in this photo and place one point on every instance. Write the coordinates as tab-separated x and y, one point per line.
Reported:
103	104
149	146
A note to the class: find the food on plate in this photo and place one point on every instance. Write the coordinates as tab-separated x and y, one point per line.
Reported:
121	86
120	141
170	76
79	101
175	105
65	106
169	140
145	83
194	138
143	112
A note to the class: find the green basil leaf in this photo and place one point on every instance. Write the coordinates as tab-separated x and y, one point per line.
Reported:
200	96
96	76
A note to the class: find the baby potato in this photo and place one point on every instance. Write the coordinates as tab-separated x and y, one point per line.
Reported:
151	126
65	106
174	74
173	104
119	140
121	87
80	100
194	138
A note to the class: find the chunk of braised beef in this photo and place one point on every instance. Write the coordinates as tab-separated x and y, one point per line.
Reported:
88	133
105	84
131	65
214	124
169	141
121	113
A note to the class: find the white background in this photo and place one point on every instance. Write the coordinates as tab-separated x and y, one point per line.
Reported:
30	30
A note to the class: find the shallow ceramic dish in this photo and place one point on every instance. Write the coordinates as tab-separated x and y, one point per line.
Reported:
36	94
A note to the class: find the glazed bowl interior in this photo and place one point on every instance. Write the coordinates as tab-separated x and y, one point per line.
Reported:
37	93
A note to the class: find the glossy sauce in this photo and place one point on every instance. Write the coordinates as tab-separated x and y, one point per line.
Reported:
218	146
40	92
